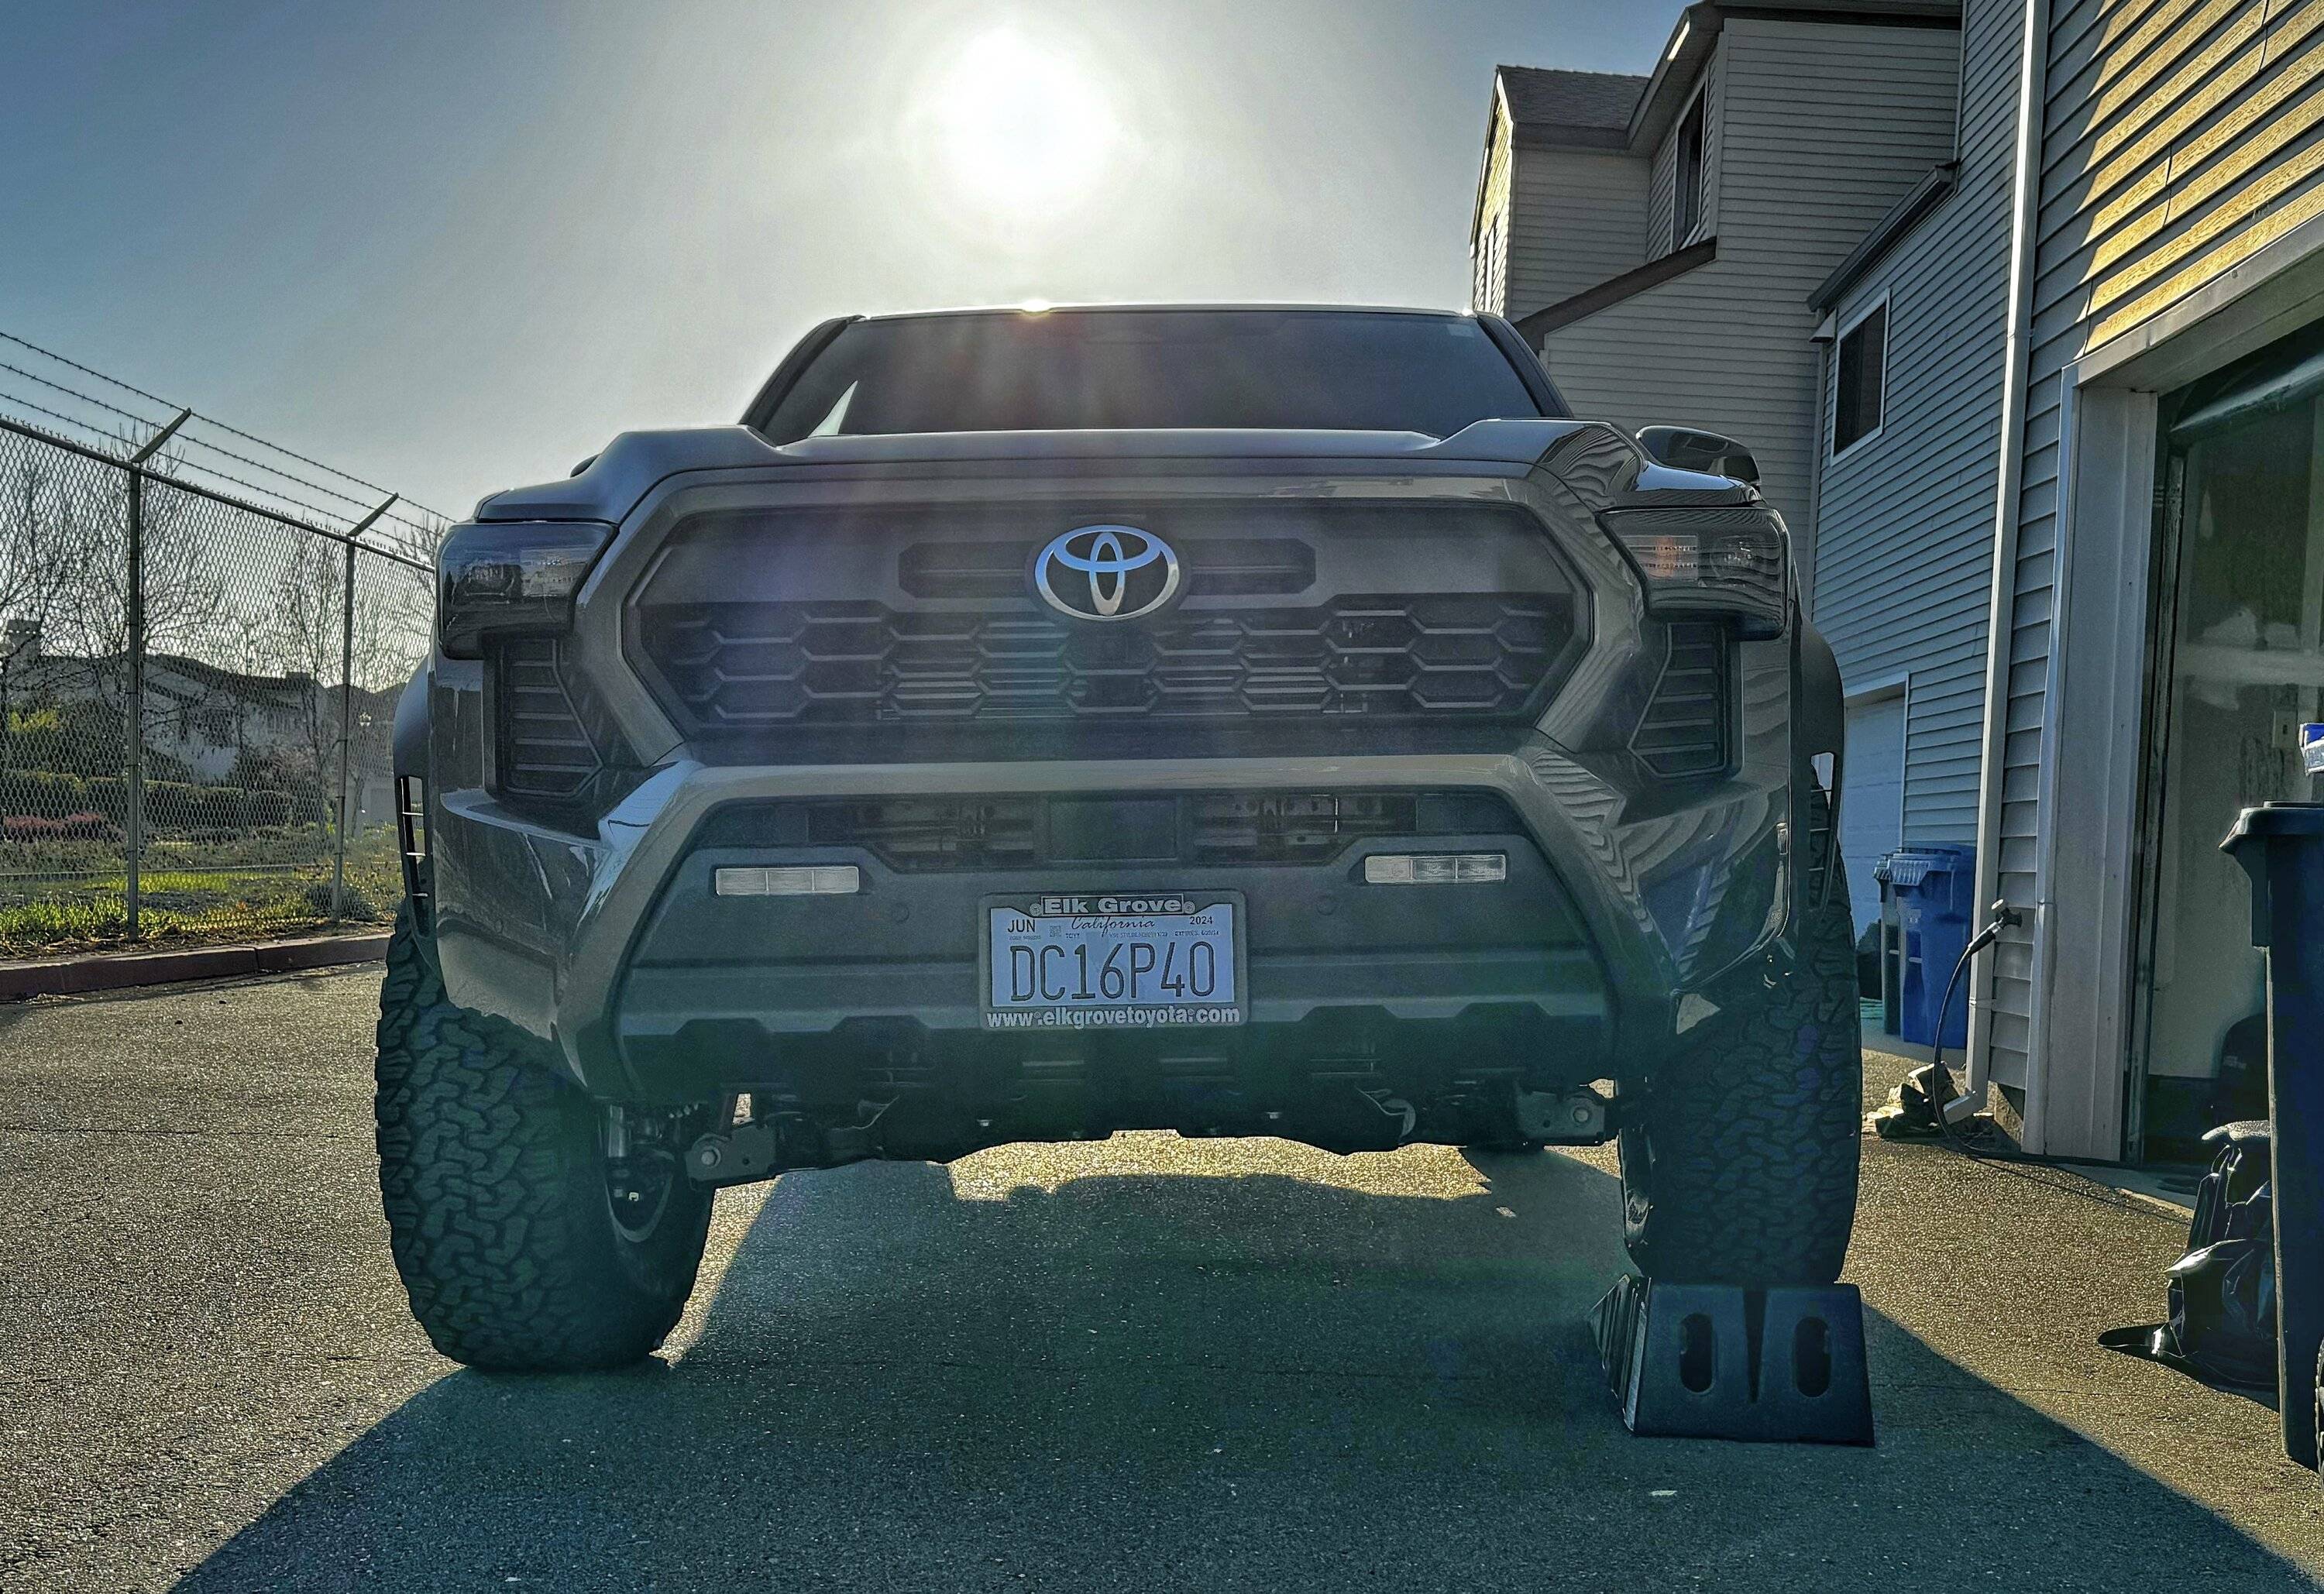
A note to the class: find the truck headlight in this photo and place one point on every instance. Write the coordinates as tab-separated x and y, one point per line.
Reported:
1709	562
519	575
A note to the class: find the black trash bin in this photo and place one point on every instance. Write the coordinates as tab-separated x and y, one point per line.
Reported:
2281	845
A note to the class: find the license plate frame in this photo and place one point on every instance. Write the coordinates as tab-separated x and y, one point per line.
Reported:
1065	918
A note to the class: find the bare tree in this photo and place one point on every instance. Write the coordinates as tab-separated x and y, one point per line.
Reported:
39	494
308	617
395	611
184	600
249	653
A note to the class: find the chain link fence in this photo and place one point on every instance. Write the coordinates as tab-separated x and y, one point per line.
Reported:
196	701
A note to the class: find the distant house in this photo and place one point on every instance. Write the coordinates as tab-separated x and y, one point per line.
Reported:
210	724
2009	277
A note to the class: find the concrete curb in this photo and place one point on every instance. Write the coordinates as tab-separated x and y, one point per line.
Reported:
66	976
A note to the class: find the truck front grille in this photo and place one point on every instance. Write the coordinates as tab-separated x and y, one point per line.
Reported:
744	666
797	636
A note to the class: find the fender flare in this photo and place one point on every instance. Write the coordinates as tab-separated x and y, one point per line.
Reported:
1819	729
411	726
1822	724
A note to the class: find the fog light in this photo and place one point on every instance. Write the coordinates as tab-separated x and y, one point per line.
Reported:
1436	869
815	879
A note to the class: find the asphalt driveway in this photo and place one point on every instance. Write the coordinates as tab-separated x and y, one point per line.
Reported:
1144	1364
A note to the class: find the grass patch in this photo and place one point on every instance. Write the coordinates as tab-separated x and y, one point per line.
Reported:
60	897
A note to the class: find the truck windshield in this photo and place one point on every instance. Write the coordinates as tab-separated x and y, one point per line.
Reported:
1070	370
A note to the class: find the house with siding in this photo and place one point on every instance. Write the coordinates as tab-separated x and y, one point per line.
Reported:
2059	481
1904	494
1657	237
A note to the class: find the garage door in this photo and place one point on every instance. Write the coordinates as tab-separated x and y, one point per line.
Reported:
1872	800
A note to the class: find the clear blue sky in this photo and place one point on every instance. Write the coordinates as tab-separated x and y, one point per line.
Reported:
456	246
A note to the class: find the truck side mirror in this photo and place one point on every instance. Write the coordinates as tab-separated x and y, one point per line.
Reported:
1683	448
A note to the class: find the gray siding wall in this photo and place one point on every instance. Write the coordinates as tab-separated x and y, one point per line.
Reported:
2179	138
1904	533
1819	129
1578	223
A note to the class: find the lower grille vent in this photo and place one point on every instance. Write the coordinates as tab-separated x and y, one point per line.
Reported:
1301	829
1684	733
545	751
922	834
917	836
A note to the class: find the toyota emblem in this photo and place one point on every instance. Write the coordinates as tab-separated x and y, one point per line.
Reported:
1106	573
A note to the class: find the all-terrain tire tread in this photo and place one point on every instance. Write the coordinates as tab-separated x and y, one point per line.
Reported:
493	1192
1756	1125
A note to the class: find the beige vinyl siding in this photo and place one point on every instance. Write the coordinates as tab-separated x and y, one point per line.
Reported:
1904	539
1579	223
1817	129
2179	138
1488	250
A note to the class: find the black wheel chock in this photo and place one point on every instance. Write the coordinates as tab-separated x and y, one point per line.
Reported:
1721	1361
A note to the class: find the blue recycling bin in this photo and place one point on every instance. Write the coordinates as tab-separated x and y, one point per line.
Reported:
1935	893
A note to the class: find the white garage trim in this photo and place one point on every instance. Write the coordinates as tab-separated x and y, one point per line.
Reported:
2086	878
1891	693
1880	688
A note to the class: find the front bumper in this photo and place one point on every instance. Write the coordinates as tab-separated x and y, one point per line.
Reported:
611	946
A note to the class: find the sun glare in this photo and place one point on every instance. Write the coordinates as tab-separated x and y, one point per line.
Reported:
1022	127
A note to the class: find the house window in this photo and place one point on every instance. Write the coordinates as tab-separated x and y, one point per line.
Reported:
1687	211
1855	411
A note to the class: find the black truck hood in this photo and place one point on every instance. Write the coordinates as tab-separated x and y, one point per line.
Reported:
634	462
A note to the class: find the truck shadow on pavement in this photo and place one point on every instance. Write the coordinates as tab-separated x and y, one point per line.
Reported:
1137	1378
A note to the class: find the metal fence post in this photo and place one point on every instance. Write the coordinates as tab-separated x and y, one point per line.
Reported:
134	728
133	808
346	733
347	708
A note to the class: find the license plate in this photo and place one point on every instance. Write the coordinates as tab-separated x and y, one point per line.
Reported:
1147	960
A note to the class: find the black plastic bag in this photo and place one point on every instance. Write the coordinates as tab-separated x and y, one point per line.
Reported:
2222	1292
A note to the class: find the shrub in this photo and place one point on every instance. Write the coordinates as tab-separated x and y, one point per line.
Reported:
79	736
44	793
170	805
72	827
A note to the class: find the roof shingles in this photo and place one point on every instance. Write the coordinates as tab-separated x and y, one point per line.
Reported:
1559	104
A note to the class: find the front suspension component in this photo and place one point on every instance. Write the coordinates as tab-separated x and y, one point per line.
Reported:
776	1143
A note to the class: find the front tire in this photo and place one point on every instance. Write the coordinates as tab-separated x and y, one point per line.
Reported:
501	1196
1741	1166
